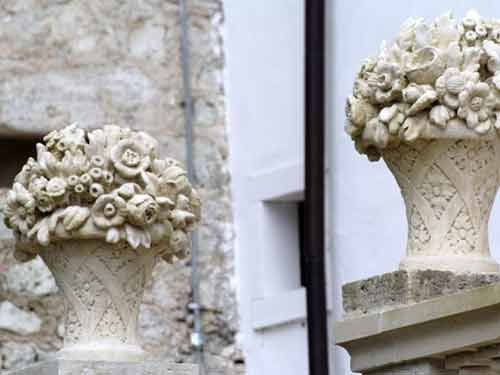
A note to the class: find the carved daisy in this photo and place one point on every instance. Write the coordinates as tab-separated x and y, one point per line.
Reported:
109	211
130	158
56	187
475	106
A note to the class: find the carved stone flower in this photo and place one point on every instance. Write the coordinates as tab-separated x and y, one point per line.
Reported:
495	90
56	187
412	30
38	187
420	97
109	211
393	117
440	115
44	202
142	210
130	158
29	170
69	138
452	83
495	34
375	134
19	209
475	106
359	112
179	242
386	83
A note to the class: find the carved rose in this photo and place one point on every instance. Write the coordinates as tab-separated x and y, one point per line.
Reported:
109	211
142	209
130	158
38	187
44	202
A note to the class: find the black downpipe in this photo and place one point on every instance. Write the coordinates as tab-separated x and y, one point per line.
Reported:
314	211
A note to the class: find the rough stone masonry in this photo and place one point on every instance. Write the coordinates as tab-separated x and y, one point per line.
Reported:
118	61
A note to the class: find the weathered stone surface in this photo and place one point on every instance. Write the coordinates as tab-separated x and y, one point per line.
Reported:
85	95
31	278
390	289
110	368
19	321
400	288
60	367
16	355
421	367
461	322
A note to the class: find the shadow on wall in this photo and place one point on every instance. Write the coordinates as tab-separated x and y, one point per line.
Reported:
13	155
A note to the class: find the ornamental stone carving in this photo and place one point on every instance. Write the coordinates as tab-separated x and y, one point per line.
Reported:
100	207
429	105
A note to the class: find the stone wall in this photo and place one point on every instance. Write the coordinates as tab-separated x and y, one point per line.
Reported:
118	61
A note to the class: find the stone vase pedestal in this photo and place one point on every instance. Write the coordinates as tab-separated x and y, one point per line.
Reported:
448	186
103	285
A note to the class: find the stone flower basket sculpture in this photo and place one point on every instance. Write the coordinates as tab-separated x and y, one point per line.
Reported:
100	207
429	105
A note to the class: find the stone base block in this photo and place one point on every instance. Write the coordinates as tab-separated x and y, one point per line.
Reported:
462	328
403	288
428	366
61	367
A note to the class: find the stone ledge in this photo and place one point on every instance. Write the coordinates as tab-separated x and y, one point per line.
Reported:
429	329
403	288
61	367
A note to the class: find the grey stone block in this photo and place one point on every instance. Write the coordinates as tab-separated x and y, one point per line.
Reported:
44	368
61	367
395	289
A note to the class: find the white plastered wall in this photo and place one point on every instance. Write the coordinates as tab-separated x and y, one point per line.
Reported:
264	83
368	229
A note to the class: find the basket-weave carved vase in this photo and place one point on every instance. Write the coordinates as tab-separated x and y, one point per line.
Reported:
103	285
99	207
449	187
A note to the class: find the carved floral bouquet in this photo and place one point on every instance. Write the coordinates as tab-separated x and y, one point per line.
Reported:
104	184
435	81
